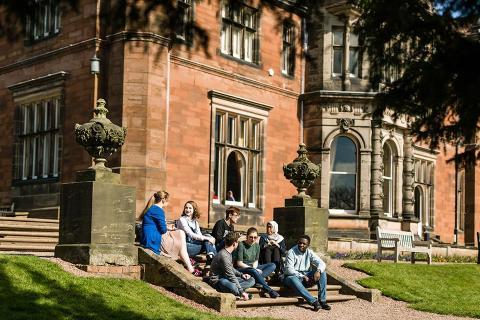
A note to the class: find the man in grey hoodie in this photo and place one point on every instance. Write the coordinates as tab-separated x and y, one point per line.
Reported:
224	277
303	268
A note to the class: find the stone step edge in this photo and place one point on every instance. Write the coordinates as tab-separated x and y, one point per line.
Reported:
350	287
28	239
24	219
22	247
257	302
28	227
28	253
330	287
6	233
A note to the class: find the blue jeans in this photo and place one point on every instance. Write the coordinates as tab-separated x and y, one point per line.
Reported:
299	284
194	247
225	285
267	269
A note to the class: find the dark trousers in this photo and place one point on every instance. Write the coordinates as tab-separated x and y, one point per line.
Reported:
272	254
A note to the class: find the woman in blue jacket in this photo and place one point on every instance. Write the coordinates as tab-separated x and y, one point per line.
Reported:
154	225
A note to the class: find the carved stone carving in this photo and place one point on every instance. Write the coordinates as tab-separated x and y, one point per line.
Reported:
100	137
301	172
345	108
345	124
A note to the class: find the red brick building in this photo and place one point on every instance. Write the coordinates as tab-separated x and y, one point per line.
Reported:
206	120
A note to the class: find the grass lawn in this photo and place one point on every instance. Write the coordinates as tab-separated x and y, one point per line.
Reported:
32	288
446	289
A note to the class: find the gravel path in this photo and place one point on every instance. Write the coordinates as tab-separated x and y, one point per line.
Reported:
356	309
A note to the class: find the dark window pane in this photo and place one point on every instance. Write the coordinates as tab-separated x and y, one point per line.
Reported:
337	60
235	168
343	155
342	191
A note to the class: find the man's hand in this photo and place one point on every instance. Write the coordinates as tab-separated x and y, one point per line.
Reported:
245	295
259	271
306	279
316	276
245	276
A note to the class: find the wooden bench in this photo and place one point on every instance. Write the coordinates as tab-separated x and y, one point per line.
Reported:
400	241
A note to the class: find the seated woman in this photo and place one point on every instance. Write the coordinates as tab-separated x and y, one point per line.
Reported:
272	247
196	241
154	225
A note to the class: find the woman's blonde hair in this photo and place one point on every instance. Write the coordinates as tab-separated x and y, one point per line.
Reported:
155	198
196	212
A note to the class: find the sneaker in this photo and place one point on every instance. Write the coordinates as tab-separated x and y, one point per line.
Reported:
197	273
325	306
209	259
316	305
273	294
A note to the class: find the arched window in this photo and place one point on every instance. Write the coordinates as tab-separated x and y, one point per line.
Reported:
343	175
235	177
388	180
418	207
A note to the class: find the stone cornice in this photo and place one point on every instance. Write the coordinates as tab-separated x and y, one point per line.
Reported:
138	36
232	76
38	84
291	5
47	55
338	95
212	94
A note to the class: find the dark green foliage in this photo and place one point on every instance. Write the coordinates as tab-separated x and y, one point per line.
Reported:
432	45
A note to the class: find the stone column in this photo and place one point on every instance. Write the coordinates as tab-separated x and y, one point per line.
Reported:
365	169
346	55
398	185
408	178
325	179
376	196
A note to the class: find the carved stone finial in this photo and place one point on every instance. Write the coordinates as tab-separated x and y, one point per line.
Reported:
301	172
99	136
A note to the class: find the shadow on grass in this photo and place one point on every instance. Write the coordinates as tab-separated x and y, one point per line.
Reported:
29	291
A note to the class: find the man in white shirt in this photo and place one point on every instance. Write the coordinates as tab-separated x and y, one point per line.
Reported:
303	268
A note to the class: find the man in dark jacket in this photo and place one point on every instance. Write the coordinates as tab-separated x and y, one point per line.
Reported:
224	277
223	226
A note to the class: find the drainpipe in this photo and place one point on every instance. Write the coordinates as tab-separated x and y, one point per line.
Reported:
167	103
302	79
455	230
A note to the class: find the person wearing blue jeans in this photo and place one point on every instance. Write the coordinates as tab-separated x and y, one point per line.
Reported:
248	253
303	268
196	241
224	277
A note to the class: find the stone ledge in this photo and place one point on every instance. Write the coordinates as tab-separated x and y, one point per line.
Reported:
353	288
130	272
165	272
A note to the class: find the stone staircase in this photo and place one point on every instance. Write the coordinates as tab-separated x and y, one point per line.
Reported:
171	275
28	235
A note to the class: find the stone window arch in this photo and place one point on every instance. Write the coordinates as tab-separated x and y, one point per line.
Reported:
343	175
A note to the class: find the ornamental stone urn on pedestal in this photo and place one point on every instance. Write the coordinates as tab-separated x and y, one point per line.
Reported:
97	213
301	214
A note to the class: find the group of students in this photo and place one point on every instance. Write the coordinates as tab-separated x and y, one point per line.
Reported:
235	265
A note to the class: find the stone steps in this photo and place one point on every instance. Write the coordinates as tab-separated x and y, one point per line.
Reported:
28	235
282	301
29	247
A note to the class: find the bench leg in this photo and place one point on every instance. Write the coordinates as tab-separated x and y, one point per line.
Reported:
413	257
379	255
396	254
429	255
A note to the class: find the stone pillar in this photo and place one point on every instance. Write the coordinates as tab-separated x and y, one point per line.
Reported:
325	179
303	216
365	168
97	220
346	55
376	197
398	185
408	180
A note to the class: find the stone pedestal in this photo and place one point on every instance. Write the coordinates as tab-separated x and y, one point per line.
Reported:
97	220
303	216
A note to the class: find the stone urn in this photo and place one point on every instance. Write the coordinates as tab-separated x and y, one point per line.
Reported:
99	136
301	172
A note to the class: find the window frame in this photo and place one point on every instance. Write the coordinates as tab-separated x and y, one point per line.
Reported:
356	174
230	21
185	20
48	13
341	48
288	49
